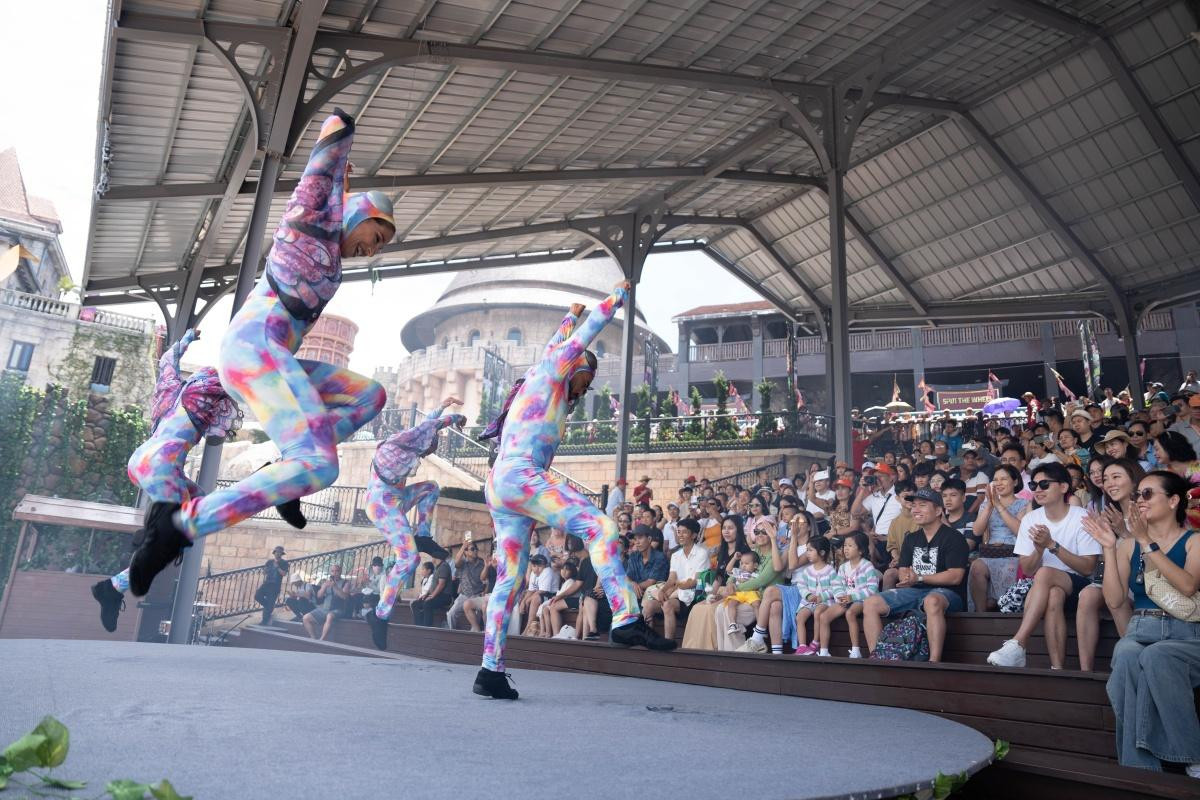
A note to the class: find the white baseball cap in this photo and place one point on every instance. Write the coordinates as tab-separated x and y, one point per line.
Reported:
823	475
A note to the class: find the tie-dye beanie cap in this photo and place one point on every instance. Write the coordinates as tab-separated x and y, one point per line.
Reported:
366	205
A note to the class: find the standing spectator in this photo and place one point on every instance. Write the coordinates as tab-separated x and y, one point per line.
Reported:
642	493
438	598
1060	556
331	603
468	566
679	590
997	527
1190	384
876	505
616	498
933	575
268	593
1156	664
1189	422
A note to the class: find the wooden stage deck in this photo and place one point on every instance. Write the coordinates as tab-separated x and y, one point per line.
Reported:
1059	724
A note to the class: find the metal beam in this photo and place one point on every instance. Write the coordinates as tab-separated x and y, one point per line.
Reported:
810	297
1044	309
733	269
283	188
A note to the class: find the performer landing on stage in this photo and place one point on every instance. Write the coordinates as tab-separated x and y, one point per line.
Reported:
304	406
184	413
521	493
389	500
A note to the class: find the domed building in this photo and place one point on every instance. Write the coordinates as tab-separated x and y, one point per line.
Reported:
513	312
331	341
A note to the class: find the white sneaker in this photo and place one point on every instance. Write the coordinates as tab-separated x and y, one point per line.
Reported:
752	645
855	653
733	627
1193	770
1010	654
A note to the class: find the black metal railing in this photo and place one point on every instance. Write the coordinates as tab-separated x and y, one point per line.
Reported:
334	505
749	477
706	432
229	594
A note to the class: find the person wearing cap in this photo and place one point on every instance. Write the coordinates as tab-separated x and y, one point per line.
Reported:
645	565
1116	444
970	474
817	488
876	506
616	497
678	592
267	595
469	566
1081	422
933	575
306	408
1060	556
1189	424
642	493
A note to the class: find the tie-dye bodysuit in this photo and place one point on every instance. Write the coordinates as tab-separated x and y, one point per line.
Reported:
195	409
389	499
305	407
522	493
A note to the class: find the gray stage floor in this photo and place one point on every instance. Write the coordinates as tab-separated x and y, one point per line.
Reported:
241	723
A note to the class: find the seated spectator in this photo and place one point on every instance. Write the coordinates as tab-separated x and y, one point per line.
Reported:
747	570
373	585
857	580
711	532
536	548
818	586
331	603
1156	665
901	526
669	525
645	565
997	526
1060	557
476	607
437	597
700	632
301	599
954	493
567	597
616	497
594	608
933	575
731	616
543	583
677	593
468	566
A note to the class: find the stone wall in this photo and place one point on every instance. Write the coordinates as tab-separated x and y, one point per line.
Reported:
249	544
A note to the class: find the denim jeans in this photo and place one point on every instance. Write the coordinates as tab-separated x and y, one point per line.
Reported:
1155	666
913	597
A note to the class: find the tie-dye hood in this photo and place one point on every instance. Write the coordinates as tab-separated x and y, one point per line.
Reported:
366	205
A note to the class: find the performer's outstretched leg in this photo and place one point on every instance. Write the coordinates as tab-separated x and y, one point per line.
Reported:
512	559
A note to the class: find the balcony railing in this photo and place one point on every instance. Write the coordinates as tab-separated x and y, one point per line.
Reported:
728	351
706	432
72	311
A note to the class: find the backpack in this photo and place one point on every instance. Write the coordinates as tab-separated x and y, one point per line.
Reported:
903	639
1013	601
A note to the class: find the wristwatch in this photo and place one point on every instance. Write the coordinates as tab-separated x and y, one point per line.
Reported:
1153	547
921	579
1054	548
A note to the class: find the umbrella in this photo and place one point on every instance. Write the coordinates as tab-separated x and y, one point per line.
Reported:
896	406
875	411
1002	405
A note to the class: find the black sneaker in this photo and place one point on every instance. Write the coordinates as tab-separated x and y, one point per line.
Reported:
112	603
639	633
494	685
426	544
291	513
379	629
161	544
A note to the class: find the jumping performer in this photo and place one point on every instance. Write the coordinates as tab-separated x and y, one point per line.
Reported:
389	500
521	493
304	406
183	414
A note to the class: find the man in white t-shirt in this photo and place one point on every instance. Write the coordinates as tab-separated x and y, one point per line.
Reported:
668	529
678	591
878	509
820	488
1060	555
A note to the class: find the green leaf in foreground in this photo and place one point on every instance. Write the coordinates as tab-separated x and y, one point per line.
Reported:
163	790
127	790
53	751
1001	750
63	783
24	752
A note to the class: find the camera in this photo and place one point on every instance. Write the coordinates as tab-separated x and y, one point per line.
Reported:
869	480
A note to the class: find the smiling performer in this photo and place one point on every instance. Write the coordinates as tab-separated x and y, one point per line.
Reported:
389	499
521	493
184	413
306	407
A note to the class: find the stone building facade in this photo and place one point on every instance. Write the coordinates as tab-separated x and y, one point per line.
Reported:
331	341
30	225
512	311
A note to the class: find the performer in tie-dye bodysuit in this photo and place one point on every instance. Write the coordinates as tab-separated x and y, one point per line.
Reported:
390	498
521	492
305	407
183	414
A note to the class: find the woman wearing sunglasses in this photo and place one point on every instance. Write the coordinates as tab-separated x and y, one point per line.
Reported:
1154	666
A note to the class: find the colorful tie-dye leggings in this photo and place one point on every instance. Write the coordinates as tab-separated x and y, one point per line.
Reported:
157	467
306	407
388	507
520	495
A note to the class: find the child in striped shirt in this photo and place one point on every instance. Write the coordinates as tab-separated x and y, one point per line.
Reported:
858	579
818	585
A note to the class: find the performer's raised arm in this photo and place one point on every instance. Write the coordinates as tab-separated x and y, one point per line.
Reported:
601	315
565	328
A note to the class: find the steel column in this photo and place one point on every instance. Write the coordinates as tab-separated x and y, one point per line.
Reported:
1126	325
918	359
252	253
1049	359
839	327
628	345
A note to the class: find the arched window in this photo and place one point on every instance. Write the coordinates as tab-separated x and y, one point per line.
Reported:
473	339
445	341
599	350
514	336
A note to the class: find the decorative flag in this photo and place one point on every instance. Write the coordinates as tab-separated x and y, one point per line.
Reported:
738	403
1091	367
1062	384
1142	369
614	404
895	389
799	399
